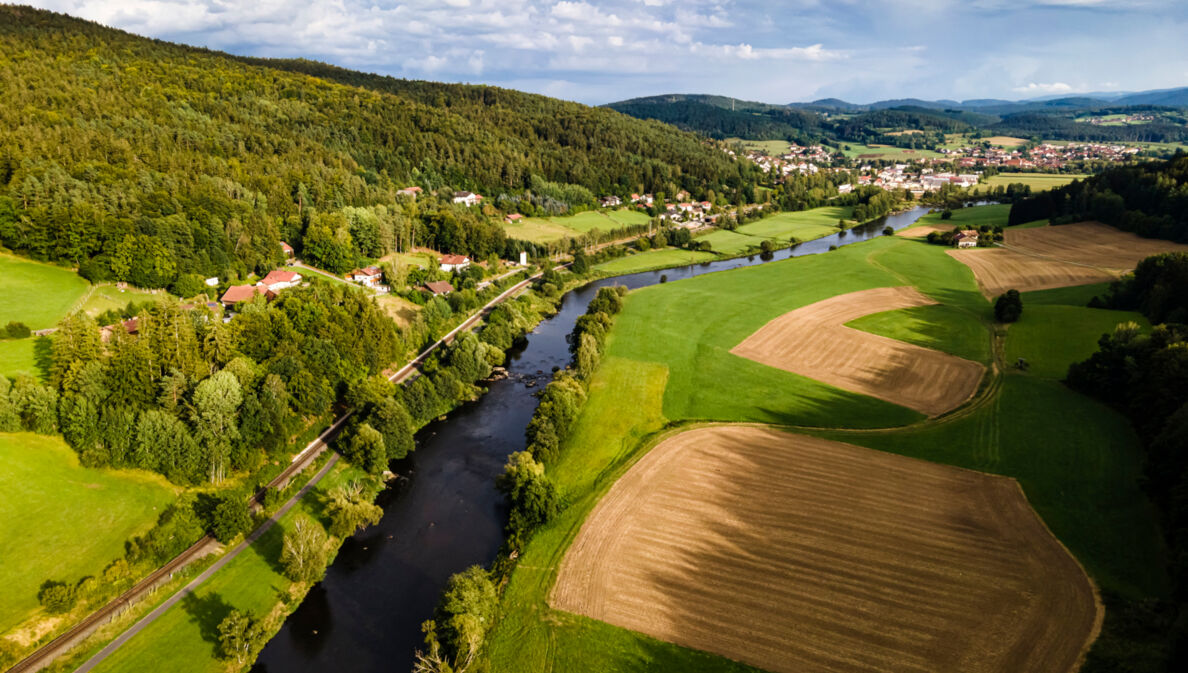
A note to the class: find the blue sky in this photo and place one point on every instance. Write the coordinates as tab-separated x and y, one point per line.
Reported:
597	52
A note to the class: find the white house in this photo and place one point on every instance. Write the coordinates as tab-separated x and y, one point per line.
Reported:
610	201
467	198
450	263
845	189
278	280
370	276
213	281
966	239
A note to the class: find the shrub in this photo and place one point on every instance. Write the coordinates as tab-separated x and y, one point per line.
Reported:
57	597
15	330
1008	307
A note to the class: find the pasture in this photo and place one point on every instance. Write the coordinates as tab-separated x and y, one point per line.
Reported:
61	521
653	259
994	215
18	356
793	553
549	229
804	225
107	296
1050	338
36	293
886	152
1039	182
813	341
773	148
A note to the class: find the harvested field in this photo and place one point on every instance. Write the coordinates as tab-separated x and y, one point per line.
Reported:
1089	243
799	554
998	270
921	231
813	341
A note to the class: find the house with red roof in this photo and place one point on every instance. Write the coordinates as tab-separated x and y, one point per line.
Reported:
409	191
287	249
467	198
512	218
370	276
240	293
450	263
278	280
439	287
966	239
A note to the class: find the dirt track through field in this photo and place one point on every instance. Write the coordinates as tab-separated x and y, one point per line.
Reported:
802	555
1061	256
813	341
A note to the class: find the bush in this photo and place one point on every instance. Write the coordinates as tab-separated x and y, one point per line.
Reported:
947	214
228	517
1008	307
15	330
888	231
57	597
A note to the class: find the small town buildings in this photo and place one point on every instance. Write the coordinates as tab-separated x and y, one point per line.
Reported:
467	198
278	280
131	326
610	201
241	293
439	287
287	249
370	276
845	189
450	263
966	239
409	191
512	218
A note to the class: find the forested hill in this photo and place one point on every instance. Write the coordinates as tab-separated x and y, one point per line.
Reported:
116	149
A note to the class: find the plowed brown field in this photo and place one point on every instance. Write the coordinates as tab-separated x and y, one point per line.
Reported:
1060	256
921	231
812	341
802	555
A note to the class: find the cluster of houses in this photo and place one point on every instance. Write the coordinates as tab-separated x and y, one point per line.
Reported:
268	286
1043	156
798	159
907	176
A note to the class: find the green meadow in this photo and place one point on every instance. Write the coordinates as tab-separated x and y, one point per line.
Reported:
36	293
548	229
62	521
1039	182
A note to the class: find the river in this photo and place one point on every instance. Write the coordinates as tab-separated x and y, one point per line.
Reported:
443	512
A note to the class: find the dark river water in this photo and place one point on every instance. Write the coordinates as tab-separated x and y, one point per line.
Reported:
443	512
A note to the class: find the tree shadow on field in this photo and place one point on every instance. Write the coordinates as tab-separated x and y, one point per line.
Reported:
207	612
43	356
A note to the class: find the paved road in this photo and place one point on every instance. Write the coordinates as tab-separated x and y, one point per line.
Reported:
206	574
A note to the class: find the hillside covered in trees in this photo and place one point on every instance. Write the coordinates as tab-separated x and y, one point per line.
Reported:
145	161
1149	199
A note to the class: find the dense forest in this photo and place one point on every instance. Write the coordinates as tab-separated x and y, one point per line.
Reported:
720	123
1145	376
1064	127
144	161
1150	199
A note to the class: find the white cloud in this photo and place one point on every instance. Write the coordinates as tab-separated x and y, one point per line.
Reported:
1044	88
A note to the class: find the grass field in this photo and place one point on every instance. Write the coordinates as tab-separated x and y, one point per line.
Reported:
35	293
1077	461
886	152
653	259
17	356
1078	295
547	229
185	638
1038	182
1051	338
802	225
401	310
61	521
773	148
107	296
992	215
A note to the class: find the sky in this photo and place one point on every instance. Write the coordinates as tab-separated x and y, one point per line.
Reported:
597	52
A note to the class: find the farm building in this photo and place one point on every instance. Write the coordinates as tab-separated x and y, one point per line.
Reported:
966	239
512	218
287	249
241	293
451	263
409	191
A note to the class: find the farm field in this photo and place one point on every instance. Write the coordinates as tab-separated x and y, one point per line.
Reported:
548	229
803	225
1077	461
653	259
967	218
1038	182
794	553
61	521
36	293
999	270
185	638
1051	338
771	147
107	296
812	341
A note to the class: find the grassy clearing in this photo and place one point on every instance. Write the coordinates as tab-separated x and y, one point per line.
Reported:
1039	182
401	310
1077	295
547	229
61	521
1078	463
731	242
107	296
771	147
993	215
886	152
185	638
707	382
18	356
1051	338
653	259
35	293
939	327
803	225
